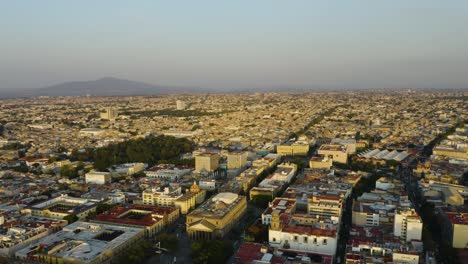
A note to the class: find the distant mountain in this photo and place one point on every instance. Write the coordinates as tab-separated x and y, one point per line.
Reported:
107	86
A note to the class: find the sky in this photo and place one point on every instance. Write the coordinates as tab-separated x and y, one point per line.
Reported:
224	44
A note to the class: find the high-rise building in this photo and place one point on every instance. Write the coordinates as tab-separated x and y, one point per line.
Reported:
206	162
408	225
236	160
181	105
109	113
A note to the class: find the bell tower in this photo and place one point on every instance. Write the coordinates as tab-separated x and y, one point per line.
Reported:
275	220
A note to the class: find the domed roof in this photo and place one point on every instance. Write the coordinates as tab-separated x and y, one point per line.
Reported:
225	197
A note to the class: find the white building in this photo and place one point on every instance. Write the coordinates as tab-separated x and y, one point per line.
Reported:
207	184
167	171
311	239
408	225
92	132
128	168
98	177
181	105
83	242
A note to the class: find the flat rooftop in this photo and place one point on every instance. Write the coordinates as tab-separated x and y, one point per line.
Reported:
82	241
333	147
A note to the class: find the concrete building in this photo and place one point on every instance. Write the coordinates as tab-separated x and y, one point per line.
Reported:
18	234
98	177
407	225
325	205
338	153
206	162
349	143
181	105
320	163
109	113
293	149
216	217
128	168
168	171
92	132
82	243
455	227
236	160
174	197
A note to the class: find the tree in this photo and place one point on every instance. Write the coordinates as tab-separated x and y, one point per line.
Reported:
211	251
136	253
262	200
168	241
71	218
68	171
103	207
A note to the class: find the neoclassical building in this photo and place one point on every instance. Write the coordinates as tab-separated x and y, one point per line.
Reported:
216	217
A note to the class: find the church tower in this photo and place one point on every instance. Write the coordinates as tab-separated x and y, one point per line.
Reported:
275	221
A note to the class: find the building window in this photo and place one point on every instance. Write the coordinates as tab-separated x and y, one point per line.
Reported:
274	239
295	238
325	241
305	239
315	240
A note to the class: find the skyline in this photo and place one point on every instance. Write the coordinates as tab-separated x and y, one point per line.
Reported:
212	45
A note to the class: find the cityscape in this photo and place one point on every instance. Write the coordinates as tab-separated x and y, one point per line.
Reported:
246	178
234	132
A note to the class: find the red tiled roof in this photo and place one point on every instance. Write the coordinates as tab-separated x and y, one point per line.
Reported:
113	214
310	231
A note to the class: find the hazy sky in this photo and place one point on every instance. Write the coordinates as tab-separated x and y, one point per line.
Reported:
236	43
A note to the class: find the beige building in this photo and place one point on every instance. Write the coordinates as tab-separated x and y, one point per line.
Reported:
338	153
293	149
329	205
174	197
109	113
451	153
236	160
206	162
456	228
216	217
98	177
62	206
320	163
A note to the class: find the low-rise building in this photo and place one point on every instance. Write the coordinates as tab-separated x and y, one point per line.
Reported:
320	163
174	197
82	242
17	234
98	177
59	207
150	217
338	153
298	148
